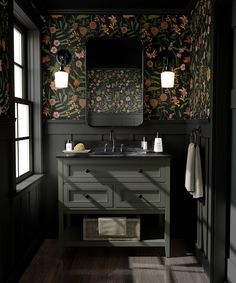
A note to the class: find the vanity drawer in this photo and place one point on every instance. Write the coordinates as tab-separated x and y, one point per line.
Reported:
88	195
139	195
118	169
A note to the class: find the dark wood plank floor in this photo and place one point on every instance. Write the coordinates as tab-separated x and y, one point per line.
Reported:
113	265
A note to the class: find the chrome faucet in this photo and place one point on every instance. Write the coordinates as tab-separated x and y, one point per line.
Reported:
112	138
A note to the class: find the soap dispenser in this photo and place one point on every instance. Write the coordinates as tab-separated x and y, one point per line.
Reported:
144	144
69	145
158	147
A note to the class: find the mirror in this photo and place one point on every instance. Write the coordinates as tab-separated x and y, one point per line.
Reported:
114	79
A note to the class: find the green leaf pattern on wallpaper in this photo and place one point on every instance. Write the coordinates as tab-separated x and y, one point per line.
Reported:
4	62
157	32
201	66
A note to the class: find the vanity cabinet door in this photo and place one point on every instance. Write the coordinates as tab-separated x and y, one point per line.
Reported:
140	195
88	195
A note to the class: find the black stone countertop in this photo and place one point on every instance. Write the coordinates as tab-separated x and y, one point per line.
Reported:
129	150
100	154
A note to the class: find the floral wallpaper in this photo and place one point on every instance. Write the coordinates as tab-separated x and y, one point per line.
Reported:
157	32
114	90
187	37
4	63
201	66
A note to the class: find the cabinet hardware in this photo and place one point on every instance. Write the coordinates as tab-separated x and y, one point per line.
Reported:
87	170
87	196
140	196
140	170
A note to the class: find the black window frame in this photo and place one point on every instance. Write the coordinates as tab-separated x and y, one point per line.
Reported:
24	101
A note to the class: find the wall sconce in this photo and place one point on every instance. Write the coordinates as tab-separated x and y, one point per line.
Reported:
167	75
61	77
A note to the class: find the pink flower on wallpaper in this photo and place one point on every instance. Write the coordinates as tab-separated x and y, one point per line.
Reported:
182	67
46	111
83	31
53	29
82	102
124	30
184	20
52	101
74	98
163	97
46	59
56	115
67	69
93	25
164	25
52	86
76	83
80	54
54	50
56	42
153	102
148	82
79	64
128	16
183	92
74	26
154	31
150	63
152	54
186	59
56	16
113	20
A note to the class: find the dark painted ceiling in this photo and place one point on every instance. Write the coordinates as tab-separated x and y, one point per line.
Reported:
112	4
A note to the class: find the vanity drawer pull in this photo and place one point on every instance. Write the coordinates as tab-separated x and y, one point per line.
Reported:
87	170
140	196
140	170
87	196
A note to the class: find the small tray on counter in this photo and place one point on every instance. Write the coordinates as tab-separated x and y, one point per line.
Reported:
73	151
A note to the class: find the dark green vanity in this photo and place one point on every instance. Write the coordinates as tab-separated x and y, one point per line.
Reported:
136	187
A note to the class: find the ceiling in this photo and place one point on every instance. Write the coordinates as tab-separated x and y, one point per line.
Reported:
55	5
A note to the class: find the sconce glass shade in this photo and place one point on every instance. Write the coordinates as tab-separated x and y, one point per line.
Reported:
61	79
63	57
167	79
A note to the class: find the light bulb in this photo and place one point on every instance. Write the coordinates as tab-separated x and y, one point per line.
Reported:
167	79
61	79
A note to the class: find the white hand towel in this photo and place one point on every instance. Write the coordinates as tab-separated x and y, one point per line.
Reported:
198	192
190	169
112	226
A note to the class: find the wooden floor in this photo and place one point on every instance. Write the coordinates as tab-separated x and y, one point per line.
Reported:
113	265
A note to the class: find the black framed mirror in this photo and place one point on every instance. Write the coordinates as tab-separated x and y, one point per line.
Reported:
114	81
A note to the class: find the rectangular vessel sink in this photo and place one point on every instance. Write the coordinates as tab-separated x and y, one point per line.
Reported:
117	153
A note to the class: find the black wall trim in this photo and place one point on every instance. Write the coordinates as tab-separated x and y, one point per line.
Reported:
119	11
67	127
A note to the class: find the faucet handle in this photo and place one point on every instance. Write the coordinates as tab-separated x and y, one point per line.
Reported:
111	135
105	147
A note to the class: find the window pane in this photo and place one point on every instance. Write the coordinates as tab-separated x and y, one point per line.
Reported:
17	160
17	47
16	122
24	162
23	120
18	81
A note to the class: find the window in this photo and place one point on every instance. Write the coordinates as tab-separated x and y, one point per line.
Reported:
23	107
27	77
